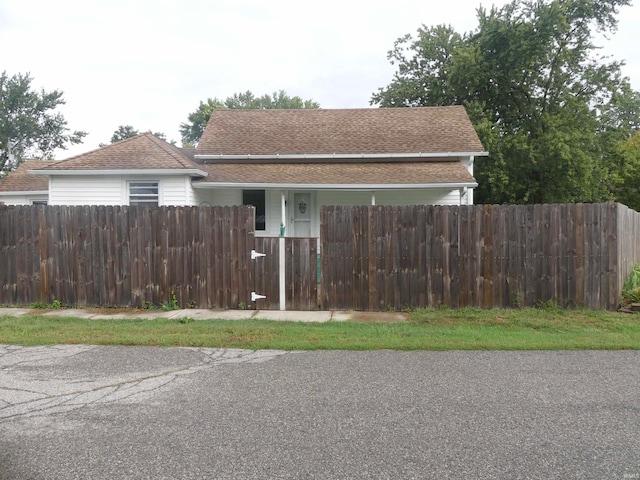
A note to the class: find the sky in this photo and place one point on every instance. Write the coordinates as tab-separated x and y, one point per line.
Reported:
148	63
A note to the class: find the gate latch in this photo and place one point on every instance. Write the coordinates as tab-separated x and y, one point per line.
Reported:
255	296
255	255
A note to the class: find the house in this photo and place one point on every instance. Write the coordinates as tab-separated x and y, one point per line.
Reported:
287	163
21	188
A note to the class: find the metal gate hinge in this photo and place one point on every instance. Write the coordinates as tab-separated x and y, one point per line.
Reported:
255	296
255	255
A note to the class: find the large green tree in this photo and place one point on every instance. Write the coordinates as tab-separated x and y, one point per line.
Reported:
548	108
192	130
29	123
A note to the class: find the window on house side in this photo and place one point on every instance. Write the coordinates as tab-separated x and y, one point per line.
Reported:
256	198
143	193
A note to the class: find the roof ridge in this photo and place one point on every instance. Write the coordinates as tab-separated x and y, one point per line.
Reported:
171	150
356	109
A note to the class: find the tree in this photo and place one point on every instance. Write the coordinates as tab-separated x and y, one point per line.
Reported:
192	130
123	132
29	125
127	131
626	179
547	107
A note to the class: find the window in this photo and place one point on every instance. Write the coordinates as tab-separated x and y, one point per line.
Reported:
143	193
257	199
39	202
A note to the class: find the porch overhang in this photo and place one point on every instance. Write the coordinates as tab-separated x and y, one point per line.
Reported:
325	186
337	157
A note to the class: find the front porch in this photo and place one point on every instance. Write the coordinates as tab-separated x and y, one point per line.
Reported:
295	212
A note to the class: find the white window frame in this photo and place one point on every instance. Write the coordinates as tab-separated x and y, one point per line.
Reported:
143	199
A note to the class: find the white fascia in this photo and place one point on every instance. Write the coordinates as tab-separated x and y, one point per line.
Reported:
193	172
340	186
330	156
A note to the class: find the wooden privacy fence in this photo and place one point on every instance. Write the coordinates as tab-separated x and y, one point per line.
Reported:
126	256
372	258
378	258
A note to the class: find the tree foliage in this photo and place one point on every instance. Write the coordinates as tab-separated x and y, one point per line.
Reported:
192	130
127	131
29	124
626	179
123	132
548	108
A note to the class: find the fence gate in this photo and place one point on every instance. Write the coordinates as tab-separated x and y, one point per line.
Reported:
287	276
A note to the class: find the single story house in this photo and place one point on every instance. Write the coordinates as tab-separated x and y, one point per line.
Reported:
287	163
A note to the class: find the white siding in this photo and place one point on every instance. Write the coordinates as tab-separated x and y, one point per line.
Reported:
22	199
86	190
343	198
202	196
114	189
391	197
191	194
418	197
225	197
174	191
273	213
468	194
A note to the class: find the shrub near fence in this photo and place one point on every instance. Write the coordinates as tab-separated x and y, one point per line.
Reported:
382	257
125	256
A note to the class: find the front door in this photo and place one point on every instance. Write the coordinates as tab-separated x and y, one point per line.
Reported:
302	214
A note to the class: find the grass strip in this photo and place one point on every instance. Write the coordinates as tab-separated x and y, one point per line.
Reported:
428	329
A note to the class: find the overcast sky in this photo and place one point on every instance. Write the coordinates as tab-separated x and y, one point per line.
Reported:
148	63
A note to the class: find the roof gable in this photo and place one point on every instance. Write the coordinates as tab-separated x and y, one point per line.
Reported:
144	151
339	131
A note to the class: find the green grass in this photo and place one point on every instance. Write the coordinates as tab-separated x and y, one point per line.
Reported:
428	329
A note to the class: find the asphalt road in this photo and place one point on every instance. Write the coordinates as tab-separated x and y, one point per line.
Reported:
79	412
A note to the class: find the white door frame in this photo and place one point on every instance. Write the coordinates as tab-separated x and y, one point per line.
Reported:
292	211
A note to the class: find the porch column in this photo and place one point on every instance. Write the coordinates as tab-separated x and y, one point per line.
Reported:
283	214
281	252
373	198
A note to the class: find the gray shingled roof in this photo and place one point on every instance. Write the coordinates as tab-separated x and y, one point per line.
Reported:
339	131
144	151
20	180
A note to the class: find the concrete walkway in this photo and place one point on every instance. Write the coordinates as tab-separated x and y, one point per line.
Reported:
203	314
